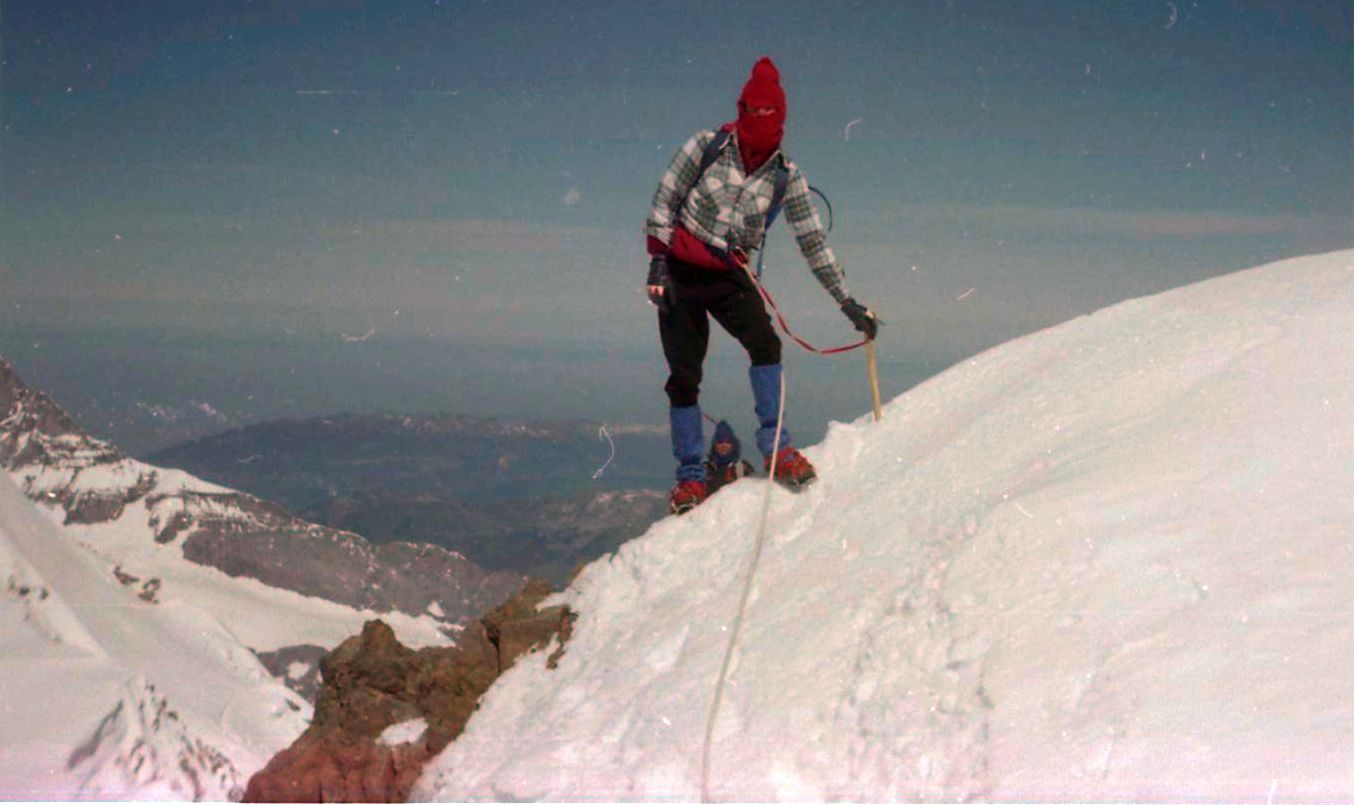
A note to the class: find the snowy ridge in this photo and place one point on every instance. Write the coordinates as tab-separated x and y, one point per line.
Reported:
141	750
1105	561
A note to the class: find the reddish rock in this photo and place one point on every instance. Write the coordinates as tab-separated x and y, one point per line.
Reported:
372	682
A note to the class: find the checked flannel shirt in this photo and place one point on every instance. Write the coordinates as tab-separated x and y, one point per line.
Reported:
727	209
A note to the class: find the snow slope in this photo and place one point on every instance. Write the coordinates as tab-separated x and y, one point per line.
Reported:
262	617
1110	560
106	696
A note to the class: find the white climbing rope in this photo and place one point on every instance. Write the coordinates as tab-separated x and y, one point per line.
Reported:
737	627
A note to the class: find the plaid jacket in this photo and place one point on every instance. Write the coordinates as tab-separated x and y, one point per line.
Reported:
728	209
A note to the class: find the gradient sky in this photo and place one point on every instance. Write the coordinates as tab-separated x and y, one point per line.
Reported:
474	175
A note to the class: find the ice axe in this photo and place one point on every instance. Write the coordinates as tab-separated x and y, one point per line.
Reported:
873	369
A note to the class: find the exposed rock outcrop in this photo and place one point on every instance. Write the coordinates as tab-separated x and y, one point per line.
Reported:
372	683
297	666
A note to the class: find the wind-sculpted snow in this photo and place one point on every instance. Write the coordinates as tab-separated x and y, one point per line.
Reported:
1106	561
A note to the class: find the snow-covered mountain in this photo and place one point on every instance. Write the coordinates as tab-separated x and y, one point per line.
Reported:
170	535
150	622
106	695
1106	561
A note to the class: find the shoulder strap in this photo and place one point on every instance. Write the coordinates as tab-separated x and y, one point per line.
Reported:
712	151
777	192
777	201
708	157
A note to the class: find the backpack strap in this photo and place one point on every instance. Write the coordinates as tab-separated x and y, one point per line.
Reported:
777	192
777	201
711	152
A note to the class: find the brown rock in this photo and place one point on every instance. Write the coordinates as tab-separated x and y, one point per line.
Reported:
280	663
371	682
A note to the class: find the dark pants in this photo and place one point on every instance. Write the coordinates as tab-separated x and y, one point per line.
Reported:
730	298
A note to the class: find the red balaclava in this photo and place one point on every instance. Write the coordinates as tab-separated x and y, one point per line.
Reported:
759	137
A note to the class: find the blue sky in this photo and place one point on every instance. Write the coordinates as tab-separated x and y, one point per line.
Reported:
472	176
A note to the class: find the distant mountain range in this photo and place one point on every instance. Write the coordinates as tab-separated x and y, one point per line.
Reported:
545	538
304	462
143	426
533	498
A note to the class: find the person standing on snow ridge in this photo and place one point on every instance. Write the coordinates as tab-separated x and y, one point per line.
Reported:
700	230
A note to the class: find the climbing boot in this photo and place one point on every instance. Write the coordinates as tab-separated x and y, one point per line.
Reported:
792	471
687	495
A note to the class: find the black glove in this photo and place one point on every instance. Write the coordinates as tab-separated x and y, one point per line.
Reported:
862	317
658	278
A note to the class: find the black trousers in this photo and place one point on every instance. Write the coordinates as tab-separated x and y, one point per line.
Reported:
699	294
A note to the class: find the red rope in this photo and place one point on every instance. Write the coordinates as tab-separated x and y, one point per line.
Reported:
786	327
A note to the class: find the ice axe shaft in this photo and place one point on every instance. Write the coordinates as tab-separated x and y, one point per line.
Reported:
873	369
